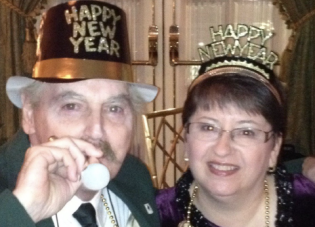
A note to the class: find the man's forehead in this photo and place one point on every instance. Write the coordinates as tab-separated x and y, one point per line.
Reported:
87	88
91	84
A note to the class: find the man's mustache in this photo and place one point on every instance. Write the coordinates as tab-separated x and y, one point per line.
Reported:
107	150
105	147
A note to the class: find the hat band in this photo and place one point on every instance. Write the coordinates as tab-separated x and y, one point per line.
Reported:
75	69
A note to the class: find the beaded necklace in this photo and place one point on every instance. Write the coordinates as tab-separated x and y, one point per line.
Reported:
112	216
186	223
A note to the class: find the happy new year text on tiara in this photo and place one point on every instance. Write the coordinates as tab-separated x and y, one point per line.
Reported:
239	41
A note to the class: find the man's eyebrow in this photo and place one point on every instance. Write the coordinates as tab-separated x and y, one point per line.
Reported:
67	95
119	98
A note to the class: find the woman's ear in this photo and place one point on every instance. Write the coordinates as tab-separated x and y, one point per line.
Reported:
185	153
186	157
28	124
275	151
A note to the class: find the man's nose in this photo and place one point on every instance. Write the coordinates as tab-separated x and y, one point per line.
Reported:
94	125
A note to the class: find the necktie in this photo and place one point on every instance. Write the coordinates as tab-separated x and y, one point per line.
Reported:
85	215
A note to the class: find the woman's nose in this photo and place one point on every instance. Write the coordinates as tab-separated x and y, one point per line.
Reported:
222	146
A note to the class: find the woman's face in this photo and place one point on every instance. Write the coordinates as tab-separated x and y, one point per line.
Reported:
224	167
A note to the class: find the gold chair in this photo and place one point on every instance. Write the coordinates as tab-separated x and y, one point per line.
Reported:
164	142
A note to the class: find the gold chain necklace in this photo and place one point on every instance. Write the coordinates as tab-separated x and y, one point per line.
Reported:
109	213
186	223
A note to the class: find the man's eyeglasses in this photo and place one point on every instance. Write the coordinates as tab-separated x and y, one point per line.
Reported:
242	136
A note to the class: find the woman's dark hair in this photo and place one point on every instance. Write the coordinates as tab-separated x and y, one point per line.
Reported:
246	93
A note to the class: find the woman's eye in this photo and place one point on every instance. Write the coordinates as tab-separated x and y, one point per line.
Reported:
207	128
248	132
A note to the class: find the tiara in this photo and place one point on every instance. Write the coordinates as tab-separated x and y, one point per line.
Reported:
239	41
240	49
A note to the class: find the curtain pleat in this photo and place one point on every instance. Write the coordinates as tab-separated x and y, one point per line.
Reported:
12	36
298	67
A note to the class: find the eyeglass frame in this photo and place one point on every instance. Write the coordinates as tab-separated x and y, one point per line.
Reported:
267	137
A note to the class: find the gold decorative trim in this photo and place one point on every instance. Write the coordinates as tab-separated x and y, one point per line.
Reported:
304	19
284	13
69	69
18	10
286	16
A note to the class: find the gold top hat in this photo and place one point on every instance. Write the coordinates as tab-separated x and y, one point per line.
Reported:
82	40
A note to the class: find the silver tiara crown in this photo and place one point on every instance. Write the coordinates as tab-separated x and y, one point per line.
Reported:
238	44
239	41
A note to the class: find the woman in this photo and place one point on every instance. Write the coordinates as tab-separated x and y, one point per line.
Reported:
234	118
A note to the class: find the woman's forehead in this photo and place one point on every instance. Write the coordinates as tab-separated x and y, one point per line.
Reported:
229	114
227	108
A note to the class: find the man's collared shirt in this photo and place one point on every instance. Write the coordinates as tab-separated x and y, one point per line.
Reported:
117	207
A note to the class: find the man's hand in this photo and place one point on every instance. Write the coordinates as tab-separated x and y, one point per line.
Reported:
50	175
309	168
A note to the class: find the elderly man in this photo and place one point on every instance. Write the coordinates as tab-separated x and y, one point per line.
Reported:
79	109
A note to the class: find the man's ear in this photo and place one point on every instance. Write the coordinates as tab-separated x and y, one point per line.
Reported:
28	123
275	151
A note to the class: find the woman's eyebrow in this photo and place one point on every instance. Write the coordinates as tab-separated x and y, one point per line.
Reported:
254	123
207	120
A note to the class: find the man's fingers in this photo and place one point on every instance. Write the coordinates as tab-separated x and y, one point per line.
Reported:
66	157
79	149
56	160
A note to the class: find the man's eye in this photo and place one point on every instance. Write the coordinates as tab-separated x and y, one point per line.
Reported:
70	106
115	109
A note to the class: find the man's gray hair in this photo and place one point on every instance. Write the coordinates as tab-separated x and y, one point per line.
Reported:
33	92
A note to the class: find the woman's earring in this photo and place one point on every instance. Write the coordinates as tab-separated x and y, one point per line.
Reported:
271	170
186	159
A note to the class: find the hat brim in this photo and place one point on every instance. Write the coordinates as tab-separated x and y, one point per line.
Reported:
16	84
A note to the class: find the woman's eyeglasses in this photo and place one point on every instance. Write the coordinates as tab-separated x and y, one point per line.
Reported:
242	136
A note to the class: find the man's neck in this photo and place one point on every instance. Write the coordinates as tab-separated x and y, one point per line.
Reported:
85	194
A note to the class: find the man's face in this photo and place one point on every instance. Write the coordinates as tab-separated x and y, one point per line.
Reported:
97	110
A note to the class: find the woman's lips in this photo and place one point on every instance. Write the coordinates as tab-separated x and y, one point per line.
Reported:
222	169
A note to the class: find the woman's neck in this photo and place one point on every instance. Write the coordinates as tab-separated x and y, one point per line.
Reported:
246	209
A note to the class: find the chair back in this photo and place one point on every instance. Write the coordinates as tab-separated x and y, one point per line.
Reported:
164	142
